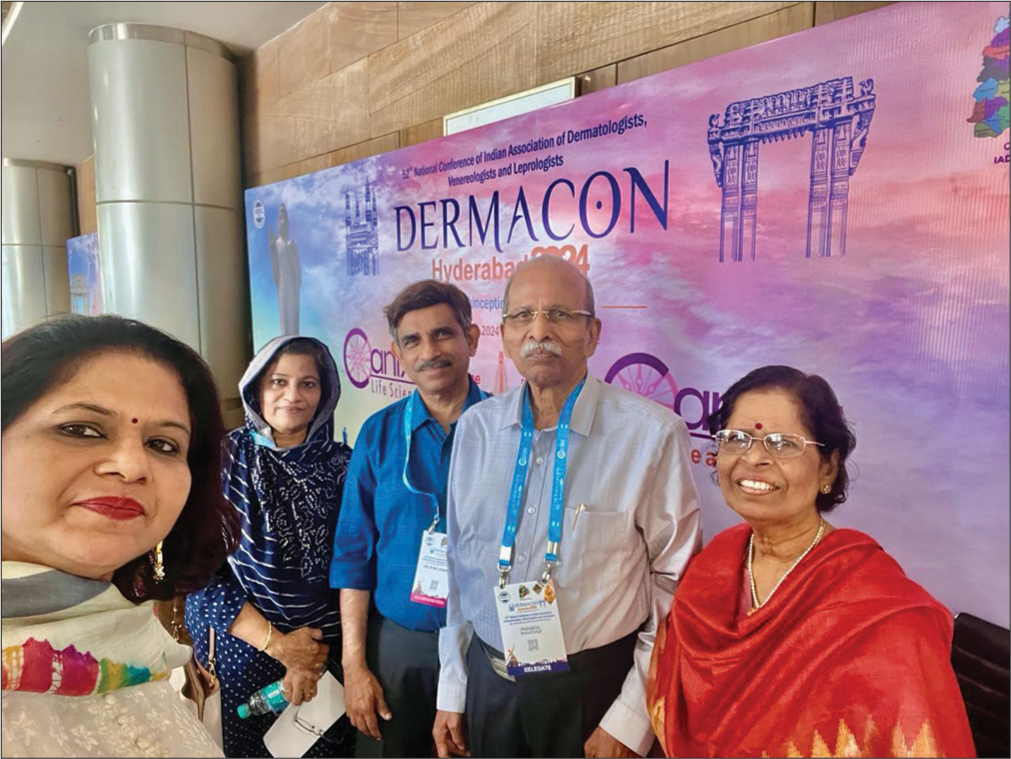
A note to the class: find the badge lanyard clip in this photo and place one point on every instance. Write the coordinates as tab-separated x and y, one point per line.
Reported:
505	563
550	562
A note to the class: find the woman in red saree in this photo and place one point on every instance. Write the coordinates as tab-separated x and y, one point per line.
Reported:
787	636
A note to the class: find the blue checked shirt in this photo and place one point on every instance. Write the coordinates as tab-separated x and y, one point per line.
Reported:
381	522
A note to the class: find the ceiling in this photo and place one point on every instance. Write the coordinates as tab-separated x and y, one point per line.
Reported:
45	100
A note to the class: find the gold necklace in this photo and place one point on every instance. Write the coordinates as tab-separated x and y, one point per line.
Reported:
751	574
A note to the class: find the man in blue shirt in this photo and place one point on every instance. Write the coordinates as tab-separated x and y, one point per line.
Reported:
389	545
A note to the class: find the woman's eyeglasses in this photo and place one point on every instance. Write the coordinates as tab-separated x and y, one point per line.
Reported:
779	444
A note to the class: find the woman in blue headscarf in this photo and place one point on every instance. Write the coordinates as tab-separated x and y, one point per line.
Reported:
271	608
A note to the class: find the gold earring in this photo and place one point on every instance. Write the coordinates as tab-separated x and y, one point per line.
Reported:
826	489
158	562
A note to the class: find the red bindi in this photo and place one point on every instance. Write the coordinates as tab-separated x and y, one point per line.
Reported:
134	421
758	425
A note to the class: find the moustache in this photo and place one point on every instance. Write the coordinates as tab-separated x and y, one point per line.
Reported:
544	345
432	363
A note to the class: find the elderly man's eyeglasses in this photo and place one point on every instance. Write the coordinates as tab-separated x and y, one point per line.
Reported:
779	444
557	316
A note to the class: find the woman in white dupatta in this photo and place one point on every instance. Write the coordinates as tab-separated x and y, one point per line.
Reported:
111	437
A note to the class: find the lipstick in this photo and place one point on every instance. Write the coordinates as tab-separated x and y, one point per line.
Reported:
113	507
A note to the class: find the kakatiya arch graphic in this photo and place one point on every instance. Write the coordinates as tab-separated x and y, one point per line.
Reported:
838	120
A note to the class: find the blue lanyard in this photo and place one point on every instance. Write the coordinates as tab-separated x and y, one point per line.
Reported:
557	486
408	435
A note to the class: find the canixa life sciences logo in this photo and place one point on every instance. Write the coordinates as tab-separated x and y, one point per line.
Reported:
374	369
377	370
646	375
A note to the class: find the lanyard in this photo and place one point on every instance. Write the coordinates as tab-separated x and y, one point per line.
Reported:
557	486
408	435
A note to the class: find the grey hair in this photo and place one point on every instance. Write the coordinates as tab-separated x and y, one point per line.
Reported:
549	260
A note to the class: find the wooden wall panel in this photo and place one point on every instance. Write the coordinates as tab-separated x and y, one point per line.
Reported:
303	53
87	211
488	51
258	79
598	79
359	29
787	21
314	120
352	153
417	16
828	12
574	37
366	149
292	170
430	130
359	76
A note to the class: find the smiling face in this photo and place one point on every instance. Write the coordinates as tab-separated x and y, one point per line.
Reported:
434	349
761	488
289	396
95	471
542	287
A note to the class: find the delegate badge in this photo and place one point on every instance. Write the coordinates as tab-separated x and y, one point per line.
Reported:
531	628
431	578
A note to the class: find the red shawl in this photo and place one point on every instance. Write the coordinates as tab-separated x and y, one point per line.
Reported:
849	658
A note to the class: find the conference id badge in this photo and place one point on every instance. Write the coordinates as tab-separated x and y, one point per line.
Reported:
531	628
431	578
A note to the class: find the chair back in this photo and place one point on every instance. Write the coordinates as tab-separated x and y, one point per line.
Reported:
980	656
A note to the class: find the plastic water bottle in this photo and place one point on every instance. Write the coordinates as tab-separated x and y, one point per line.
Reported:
264	701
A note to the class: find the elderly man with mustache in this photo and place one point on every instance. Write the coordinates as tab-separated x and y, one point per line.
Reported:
390	544
571	517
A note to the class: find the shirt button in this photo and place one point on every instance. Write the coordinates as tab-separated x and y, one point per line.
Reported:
522	558
122	720
143	743
109	699
540	459
531	510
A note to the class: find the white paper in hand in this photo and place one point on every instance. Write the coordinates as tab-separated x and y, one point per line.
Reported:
299	727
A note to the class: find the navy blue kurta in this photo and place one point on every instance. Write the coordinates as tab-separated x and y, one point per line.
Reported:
288	500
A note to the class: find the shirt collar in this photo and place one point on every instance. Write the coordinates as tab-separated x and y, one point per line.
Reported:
582	414
420	413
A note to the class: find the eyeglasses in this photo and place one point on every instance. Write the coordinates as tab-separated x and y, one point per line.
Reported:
557	316
779	444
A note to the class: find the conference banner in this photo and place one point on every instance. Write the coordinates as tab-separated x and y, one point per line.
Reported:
836	200
85	275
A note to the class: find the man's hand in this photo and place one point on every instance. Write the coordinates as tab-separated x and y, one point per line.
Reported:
363	697
603	744
300	649
450	733
299	686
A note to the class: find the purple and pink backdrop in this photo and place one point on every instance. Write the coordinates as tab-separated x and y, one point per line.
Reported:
836	200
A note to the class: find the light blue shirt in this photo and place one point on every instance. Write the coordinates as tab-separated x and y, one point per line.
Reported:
621	557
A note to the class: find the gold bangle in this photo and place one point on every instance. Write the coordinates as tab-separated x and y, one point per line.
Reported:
270	631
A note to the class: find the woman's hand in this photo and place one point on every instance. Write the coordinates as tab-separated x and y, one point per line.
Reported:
300	649
299	686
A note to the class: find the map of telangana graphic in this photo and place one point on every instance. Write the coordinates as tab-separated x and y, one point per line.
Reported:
992	112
